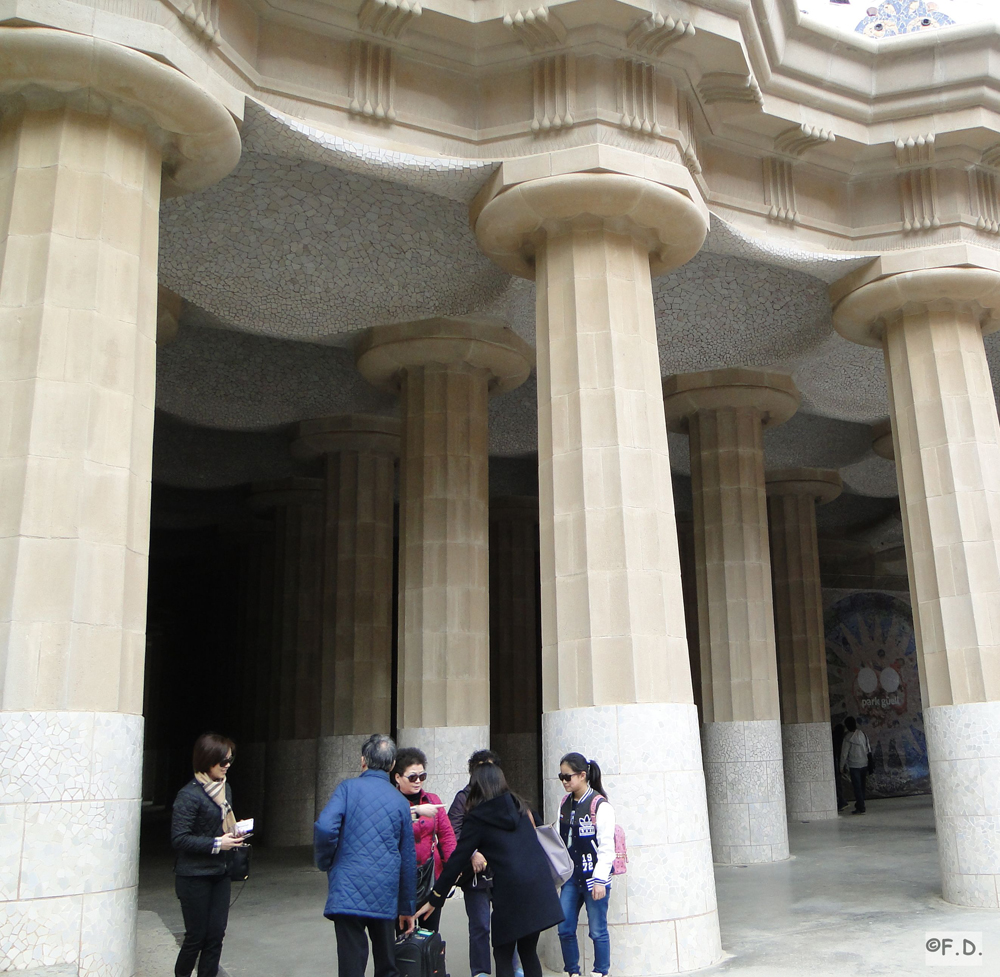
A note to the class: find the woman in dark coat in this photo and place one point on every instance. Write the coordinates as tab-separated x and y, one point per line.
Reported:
202	830
499	826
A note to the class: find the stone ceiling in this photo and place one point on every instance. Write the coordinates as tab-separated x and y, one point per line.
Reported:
314	239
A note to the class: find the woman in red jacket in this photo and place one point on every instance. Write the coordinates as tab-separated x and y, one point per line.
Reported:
432	831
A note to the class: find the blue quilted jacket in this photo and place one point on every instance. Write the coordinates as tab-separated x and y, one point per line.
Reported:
364	842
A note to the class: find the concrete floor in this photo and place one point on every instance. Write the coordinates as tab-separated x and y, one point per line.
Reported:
859	897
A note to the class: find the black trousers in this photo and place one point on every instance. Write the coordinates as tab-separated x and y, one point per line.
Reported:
527	950
205	905
352	945
477	908
858	775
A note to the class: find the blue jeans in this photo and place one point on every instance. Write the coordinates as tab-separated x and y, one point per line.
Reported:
574	894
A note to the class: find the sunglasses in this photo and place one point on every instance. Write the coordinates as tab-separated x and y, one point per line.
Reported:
567	777
227	762
416	778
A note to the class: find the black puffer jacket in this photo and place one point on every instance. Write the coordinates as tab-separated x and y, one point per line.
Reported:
196	823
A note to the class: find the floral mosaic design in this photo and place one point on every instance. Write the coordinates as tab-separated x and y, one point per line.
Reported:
892	17
871	658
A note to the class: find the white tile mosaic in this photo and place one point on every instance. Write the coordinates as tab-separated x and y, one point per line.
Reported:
746	794
809	771
40	933
12	818
963	748
108	934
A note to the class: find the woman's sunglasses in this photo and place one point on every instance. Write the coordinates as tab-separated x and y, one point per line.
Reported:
566	777
416	778
227	762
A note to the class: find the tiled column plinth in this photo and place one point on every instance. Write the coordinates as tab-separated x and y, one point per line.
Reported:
929	323
963	744
724	413
338	758
616	683
810	788
444	370
70	795
290	801
807	739
85	129
662	915
746	791
448	749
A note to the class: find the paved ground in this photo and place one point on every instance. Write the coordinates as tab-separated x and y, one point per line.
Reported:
857	900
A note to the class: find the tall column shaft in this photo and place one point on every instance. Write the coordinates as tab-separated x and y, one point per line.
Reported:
79	204
297	635
356	668
947	446
806	736
724	413
445	371
616	681
515	642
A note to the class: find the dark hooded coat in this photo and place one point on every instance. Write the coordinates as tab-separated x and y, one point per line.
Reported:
524	897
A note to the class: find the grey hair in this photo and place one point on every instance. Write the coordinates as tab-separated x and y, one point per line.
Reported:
379	752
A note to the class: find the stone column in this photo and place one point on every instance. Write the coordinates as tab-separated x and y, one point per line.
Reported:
930	323
806	735
444	371
84	131
515	641
296	649
616	680
356	667
724	413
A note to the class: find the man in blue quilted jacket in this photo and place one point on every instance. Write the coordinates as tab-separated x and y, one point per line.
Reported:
364	842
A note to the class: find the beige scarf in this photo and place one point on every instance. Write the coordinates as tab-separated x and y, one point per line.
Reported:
216	789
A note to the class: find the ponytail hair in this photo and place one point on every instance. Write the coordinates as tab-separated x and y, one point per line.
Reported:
578	763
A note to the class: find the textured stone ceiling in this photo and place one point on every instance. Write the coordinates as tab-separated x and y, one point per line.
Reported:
314	239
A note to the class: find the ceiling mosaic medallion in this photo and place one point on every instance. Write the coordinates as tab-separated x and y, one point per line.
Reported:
892	17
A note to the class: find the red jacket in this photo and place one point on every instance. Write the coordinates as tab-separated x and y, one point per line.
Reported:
424	829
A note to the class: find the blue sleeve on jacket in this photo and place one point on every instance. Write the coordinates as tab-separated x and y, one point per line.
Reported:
326	831
407	865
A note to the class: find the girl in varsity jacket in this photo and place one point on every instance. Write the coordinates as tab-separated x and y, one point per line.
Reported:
587	825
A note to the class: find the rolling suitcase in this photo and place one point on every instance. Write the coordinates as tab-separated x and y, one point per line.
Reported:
421	954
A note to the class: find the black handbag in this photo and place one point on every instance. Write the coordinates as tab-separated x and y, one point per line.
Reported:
425	881
871	764
239	863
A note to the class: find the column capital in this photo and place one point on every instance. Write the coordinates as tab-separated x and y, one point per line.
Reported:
774	395
823	485
861	315
46	67
882	440
286	491
346	432
480	342
510	220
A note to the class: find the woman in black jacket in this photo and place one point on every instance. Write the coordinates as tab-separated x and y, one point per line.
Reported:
203	828
499	826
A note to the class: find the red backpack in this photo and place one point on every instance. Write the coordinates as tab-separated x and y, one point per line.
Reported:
620	864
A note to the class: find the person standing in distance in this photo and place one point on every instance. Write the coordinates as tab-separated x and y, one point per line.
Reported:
363	840
854	761
587	826
477	880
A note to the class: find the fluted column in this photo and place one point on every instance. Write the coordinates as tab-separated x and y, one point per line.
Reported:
444	371
355	675
296	648
806	735
515	641
946	437
85	129
724	412
616	680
